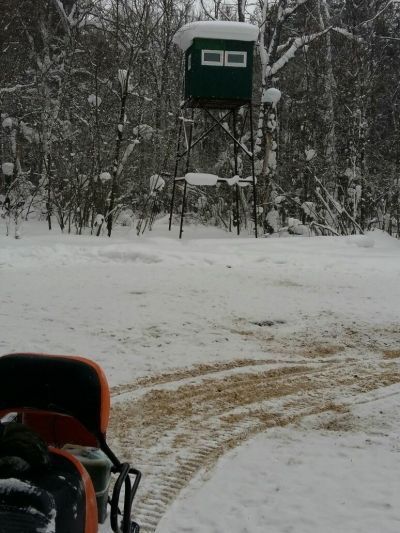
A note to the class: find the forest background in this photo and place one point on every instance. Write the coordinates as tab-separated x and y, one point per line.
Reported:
90	95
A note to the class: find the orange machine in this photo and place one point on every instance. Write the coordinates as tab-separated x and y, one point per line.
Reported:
65	401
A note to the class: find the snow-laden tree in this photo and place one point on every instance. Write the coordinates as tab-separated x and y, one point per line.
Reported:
92	89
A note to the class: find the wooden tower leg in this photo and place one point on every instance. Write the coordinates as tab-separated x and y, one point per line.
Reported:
171	208
183	209
189	146
235	151
253	171
175	175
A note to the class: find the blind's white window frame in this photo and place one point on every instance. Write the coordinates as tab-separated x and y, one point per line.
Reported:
219	63
236	53
189	62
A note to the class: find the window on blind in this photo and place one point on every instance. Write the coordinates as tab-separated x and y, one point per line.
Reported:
212	57
235	59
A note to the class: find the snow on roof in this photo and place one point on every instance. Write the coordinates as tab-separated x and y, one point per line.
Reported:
216	29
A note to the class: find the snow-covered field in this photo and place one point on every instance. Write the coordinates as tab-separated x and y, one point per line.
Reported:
254	382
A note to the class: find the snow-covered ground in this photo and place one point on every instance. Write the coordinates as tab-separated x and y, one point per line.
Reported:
327	475
259	376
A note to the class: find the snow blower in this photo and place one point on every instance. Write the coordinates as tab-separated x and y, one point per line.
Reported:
55	464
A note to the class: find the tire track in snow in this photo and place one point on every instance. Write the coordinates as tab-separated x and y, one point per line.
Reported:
194	371
171	433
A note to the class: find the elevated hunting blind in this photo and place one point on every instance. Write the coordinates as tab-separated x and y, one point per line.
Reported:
218	62
218	77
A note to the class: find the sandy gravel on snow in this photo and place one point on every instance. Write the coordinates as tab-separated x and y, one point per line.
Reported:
179	423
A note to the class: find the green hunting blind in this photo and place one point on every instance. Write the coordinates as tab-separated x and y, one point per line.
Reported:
218	82
218	62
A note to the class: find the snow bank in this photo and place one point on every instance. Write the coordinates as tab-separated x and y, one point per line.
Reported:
235	31
376	238
64	255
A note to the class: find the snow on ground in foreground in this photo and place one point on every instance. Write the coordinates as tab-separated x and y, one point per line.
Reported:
213	339
142	305
342	477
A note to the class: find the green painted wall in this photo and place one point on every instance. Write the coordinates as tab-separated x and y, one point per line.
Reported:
218	82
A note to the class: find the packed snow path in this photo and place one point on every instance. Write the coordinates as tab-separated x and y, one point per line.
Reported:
173	425
207	342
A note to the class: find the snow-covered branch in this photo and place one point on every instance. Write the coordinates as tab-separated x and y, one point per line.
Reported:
283	46
16	88
125	157
380	12
297	44
347	34
290	10
388	37
267	54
